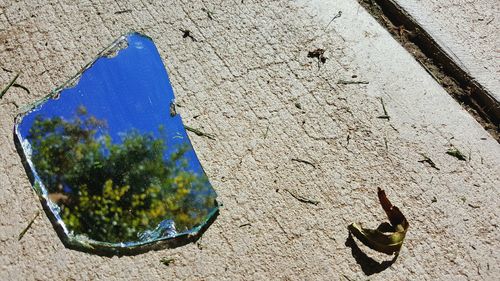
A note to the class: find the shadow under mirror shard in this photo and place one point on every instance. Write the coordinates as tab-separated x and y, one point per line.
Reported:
111	162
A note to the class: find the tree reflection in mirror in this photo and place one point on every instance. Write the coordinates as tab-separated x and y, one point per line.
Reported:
111	163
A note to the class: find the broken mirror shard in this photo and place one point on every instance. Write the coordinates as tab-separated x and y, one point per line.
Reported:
110	158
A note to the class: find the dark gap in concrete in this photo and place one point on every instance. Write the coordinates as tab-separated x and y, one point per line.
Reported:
473	97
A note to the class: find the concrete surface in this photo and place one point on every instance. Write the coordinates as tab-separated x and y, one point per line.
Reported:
467	31
244	76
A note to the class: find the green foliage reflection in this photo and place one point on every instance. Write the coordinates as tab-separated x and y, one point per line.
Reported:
112	191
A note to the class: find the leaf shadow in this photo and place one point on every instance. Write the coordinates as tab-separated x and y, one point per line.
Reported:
368	264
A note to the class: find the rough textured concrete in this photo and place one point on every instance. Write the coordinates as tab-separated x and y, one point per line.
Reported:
243	77
467	31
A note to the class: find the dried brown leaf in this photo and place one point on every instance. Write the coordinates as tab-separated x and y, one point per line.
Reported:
388	243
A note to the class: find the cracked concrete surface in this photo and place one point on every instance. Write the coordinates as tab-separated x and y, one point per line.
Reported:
241	80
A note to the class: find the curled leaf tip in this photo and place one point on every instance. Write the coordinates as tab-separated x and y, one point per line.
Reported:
384	242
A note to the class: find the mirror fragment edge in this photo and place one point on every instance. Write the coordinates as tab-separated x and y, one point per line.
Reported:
81	242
